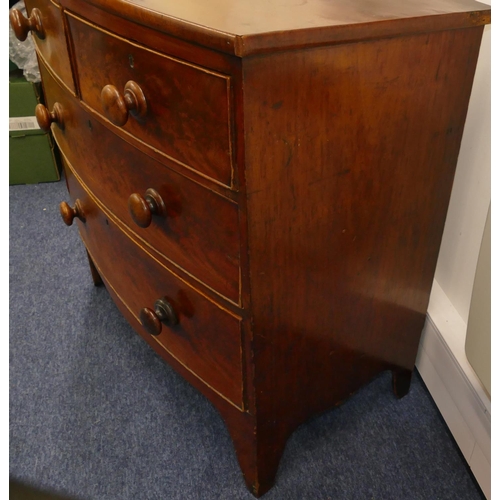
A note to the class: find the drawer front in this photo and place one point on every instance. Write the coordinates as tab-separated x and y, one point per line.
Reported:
53	48
186	109
198	231
206	340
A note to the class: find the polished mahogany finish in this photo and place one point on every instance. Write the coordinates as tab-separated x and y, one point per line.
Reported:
47	22
68	213
142	208
151	321
269	218
199	232
188	106
117	107
206	339
163	312
46	118
23	25
246	28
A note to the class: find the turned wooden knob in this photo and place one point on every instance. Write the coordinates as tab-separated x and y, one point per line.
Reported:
23	25
45	118
163	313
69	213
117	107
142	208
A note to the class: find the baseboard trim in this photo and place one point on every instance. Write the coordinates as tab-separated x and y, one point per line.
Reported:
454	386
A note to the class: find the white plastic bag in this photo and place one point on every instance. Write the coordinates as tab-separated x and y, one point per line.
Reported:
23	53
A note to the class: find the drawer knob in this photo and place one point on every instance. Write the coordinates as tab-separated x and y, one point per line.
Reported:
163	313
117	107
45	118
22	25
142	208
69	213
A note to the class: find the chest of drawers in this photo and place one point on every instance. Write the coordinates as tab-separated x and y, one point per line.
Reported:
262	186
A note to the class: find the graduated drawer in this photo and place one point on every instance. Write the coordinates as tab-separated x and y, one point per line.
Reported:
52	47
199	232
187	112
207	338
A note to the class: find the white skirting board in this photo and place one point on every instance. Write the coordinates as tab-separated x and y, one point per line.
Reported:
454	386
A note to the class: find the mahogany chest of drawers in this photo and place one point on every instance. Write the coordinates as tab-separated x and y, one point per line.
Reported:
262	186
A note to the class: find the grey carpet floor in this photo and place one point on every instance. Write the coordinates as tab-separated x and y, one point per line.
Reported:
95	414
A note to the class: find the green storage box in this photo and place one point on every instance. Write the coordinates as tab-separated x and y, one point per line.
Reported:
33	156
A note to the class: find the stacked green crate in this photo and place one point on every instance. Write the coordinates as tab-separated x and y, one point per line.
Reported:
32	155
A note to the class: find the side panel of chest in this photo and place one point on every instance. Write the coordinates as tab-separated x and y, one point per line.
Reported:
350	158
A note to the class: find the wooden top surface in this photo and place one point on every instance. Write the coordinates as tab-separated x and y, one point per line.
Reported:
244	27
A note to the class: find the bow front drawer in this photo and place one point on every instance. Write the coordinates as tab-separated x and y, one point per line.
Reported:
179	109
197	332
45	22
194	228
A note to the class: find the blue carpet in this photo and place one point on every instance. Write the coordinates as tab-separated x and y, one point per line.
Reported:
95	414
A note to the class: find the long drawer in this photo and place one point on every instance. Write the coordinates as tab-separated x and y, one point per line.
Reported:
206	338
180	109
199	229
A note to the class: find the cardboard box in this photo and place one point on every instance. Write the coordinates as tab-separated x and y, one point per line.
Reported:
33	156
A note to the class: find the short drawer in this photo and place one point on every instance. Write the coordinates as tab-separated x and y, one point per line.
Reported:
177	108
52	44
198	230
206	338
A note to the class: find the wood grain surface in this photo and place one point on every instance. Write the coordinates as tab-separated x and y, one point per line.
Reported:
350	158
188	108
53	48
200	231
244	28
323	138
206	340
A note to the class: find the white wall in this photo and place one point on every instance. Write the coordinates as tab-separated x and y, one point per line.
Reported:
471	193
442	361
